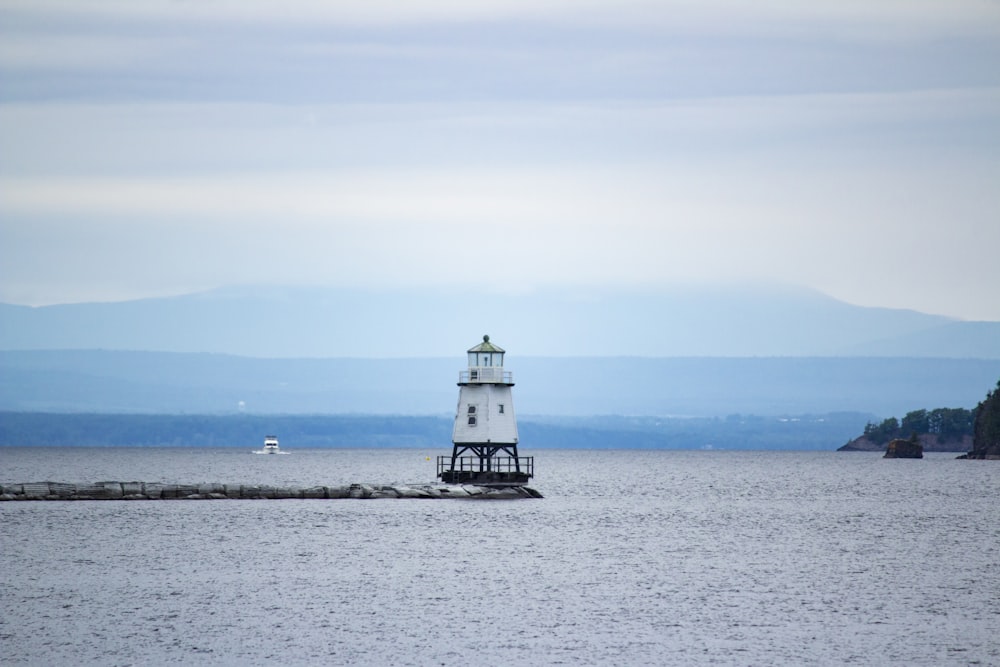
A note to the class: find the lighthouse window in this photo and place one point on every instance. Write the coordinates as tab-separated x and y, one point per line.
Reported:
501	408
472	409
472	421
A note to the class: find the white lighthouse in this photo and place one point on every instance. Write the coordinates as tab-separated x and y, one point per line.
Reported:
485	431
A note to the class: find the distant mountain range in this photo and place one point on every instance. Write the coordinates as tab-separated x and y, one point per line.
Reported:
689	353
175	383
336	323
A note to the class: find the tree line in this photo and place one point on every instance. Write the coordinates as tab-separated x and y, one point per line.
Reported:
946	423
986	435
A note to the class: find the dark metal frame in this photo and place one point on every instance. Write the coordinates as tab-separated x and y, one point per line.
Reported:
485	467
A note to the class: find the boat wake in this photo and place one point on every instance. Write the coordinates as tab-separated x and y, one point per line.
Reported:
264	451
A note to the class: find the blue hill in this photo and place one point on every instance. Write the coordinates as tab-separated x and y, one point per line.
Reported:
336	323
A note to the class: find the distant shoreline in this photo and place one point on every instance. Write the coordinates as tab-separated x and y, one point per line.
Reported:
734	432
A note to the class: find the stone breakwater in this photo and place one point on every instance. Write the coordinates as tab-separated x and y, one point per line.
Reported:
157	491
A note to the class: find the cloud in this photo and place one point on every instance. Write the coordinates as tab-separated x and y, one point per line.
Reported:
637	224
247	136
118	33
192	143
932	15
629	192
316	54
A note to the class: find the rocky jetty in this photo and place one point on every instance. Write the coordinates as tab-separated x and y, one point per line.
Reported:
214	491
904	449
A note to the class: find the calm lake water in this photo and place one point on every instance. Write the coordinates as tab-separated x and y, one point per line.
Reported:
632	558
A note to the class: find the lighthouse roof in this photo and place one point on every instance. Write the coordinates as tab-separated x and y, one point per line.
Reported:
486	346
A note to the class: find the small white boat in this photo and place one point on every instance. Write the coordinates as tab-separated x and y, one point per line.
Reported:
271	445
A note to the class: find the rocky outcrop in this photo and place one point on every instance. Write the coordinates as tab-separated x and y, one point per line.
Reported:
983	454
929	441
214	491
904	449
862	444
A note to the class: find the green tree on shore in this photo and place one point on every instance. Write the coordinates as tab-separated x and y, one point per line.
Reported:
986	434
946	423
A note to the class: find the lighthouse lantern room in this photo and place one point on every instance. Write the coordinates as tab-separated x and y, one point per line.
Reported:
485	431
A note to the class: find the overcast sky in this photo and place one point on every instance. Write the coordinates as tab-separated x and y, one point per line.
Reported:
160	147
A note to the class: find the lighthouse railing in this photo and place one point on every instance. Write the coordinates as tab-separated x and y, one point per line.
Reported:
486	374
476	464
